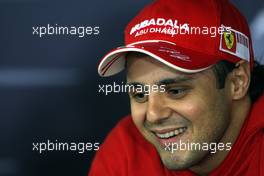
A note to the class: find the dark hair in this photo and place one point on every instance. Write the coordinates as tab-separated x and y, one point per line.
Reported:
223	68
256	88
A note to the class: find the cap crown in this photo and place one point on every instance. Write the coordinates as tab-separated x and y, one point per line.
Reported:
163	18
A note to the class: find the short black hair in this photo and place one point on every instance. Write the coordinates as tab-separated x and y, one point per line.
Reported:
223	68
256	87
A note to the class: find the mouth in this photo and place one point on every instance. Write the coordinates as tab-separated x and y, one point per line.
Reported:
170	135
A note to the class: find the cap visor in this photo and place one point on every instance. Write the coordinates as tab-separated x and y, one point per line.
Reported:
181	59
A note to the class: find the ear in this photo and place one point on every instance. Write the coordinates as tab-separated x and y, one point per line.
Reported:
240	80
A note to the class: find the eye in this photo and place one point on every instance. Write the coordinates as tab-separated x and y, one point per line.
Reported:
177	92
140	97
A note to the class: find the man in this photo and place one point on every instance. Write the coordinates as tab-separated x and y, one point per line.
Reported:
206	117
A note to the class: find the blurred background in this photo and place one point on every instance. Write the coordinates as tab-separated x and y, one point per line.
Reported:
49	85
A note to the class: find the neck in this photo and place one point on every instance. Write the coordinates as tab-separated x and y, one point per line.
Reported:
240	110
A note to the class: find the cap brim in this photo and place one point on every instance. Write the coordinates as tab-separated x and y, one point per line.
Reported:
181	59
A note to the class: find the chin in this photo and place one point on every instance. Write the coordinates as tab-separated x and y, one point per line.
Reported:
175	165
179	161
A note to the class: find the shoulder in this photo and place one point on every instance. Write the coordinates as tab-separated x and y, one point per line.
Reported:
257	113
123	128
124	133
113	154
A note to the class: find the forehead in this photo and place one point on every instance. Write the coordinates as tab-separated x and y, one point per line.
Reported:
142	68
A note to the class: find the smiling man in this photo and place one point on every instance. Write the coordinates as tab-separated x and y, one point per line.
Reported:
207	116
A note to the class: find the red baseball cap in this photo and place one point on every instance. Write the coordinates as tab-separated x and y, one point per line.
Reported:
189	36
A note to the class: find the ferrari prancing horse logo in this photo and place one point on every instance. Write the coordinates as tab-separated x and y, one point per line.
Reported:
229	39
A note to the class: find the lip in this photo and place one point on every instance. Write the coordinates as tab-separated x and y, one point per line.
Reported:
166	130
175	139
172	140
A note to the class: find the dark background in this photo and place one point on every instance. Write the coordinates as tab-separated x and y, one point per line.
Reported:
49	85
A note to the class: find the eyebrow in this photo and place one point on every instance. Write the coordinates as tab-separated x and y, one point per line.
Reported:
135	84
167	81
176	80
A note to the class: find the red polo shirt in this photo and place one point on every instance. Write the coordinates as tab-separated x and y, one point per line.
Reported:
125	152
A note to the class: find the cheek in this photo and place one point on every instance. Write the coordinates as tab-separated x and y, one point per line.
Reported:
201	104
207	116
190	109
138	113
198	110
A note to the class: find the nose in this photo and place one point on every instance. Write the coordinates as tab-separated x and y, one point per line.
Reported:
157	109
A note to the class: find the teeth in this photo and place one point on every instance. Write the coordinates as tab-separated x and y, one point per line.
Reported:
181	130
171	133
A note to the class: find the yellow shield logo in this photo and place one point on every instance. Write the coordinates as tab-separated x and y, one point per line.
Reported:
229	39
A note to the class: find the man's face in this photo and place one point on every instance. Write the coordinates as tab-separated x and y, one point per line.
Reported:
191	110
